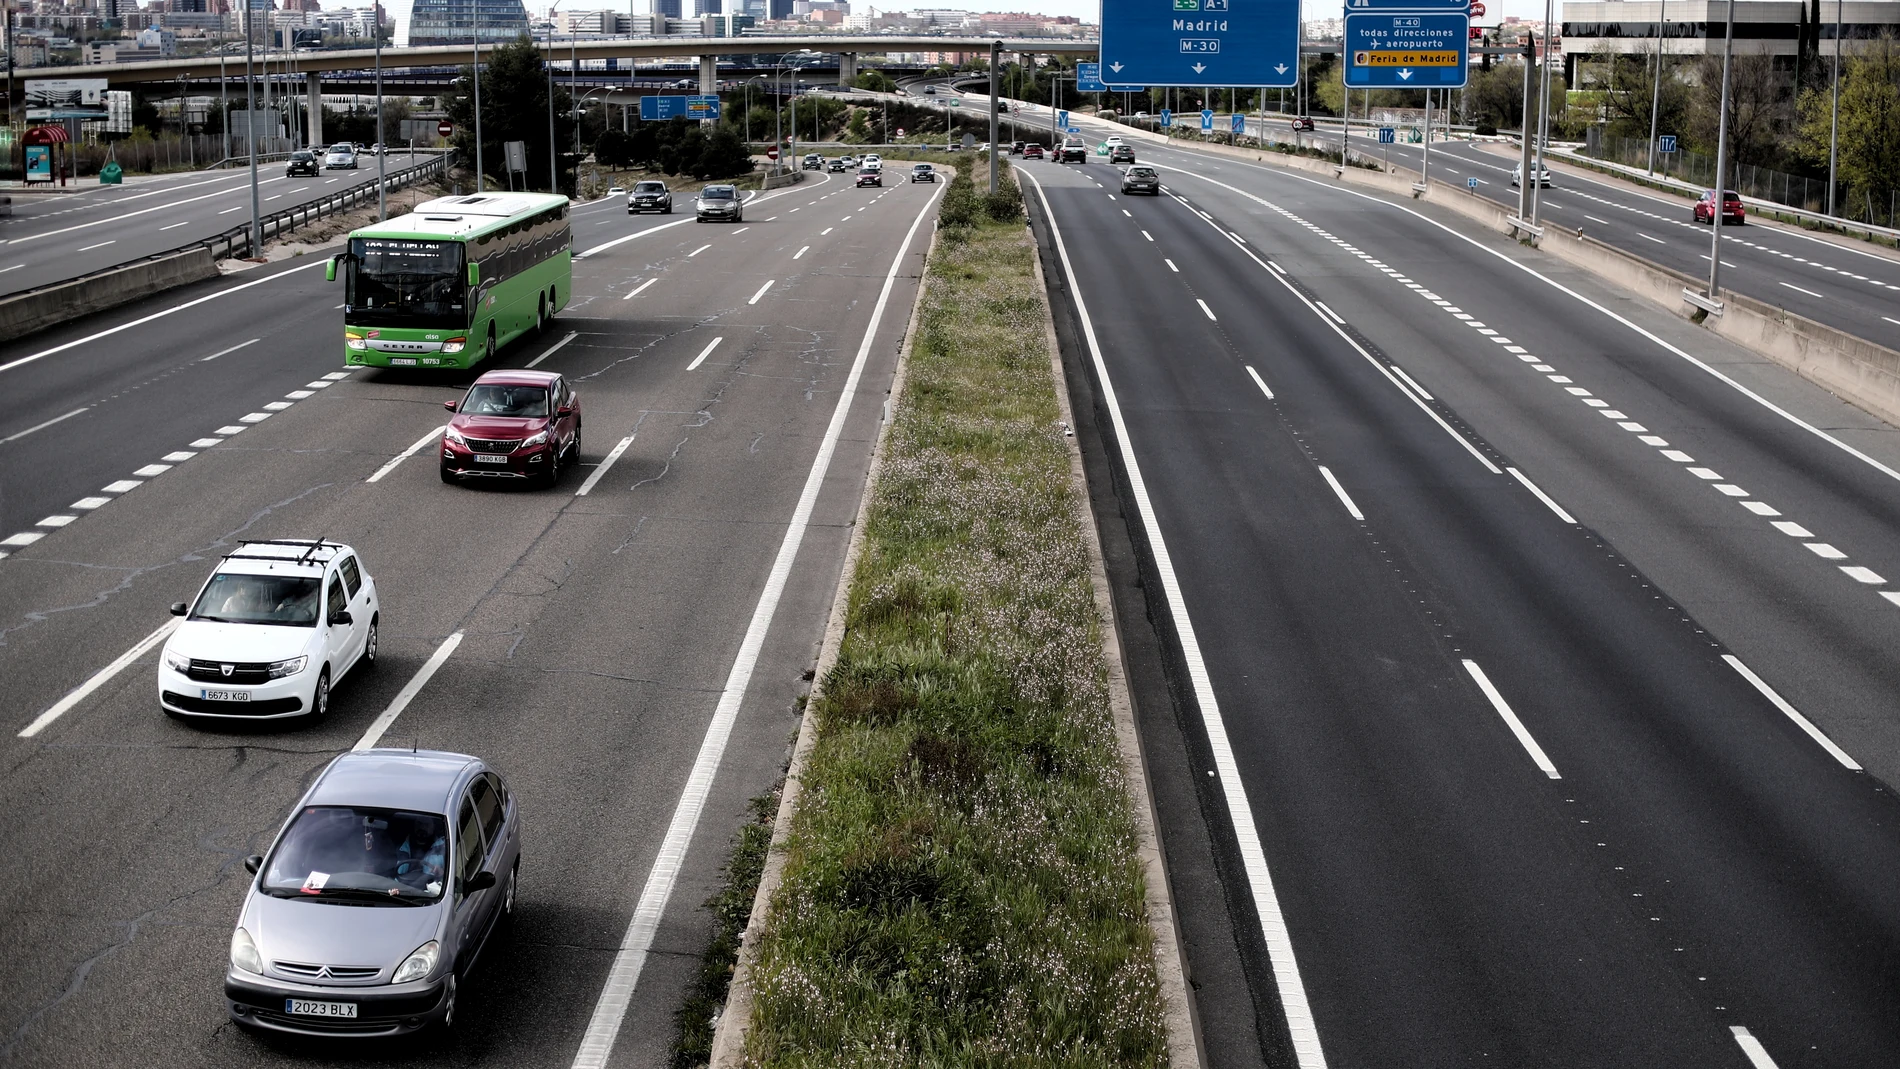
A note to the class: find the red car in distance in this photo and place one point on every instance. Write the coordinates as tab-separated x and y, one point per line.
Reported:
513	425
1732	210
1302	122
1032	151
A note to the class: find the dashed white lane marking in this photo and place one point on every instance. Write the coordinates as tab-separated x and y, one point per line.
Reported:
101	245
636	291
1646	237
1170	264
555	348
704	353
1204	308
762	289
826	230
1147	235
1335	317
587	486
1798	289
1260	382
801	251
99	679
699	250
1757	1054
152	470
227	352
1594	219
1510	719
174	226
57	521
42	426
408	693
421	444
741	230
1344	498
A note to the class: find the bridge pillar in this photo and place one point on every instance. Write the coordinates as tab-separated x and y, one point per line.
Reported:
708	80
313	108
847	68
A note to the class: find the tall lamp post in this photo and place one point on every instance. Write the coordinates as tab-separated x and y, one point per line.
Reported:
778	112
1834	124
1655	94
475	75
250	130
382	143
1721	161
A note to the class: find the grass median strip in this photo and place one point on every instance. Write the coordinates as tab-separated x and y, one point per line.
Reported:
961	882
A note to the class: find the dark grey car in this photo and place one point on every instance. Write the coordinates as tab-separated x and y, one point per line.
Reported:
650	197
376	898
1142	179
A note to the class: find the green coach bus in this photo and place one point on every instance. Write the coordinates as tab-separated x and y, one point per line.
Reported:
454	280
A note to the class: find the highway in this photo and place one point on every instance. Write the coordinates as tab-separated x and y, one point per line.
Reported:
52	237
628	648
1513	660
1840	281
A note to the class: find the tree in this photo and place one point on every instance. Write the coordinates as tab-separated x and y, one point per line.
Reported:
514	108
1760	116
858	130
1870	123
876	82
724	156
613	149
1628	85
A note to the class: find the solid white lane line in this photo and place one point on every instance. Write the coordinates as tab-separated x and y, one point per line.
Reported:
1757	1054
99	679
1205	308
1260	382
408	693
421	444
1793	714
636	291
1541	496
587	486
802	251
1798	289
1273	927
1510	719
1409	380
604	246
42	426
1344	498
762	289
1170	264
699	250
615	996
704	353
232	349
155	315
555	348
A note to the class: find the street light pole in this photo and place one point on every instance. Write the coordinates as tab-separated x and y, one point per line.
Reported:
1721	160
554	159
382	146
475	75
1535	178
1524	161
1834	124
996	51
250	131
1655	94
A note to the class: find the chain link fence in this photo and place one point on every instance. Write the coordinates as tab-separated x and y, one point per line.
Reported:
1761	183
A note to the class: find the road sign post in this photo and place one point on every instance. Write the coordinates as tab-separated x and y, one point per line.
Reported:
1193	43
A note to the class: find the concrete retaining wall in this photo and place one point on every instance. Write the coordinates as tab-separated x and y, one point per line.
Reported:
774	181
34	310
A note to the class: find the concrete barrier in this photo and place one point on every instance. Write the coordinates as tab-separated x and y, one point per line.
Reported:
24	313
775	181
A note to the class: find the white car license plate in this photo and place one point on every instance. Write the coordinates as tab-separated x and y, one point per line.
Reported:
225	695
319	1009
402	361
490	458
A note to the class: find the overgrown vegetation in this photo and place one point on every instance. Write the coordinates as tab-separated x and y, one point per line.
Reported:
962	887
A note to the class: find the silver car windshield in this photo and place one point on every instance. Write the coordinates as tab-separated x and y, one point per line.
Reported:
716	193
353	855
235	598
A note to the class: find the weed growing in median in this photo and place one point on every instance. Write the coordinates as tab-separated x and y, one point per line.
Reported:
962	886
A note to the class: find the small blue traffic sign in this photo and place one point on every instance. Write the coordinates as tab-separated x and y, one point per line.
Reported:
1398	51
1207	119
1666	143
1201	42
1238	122
1074	129
1167	118
1062	120
1471	183
1386	135
662	107
1088	78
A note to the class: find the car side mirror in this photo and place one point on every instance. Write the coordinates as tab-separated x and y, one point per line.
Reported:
179	608
474	274
564	410
253	863
450	405
481	881
341	618
329	270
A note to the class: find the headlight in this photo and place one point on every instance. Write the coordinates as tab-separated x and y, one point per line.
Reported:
454	345
535	439
176	662
416	966
280	669
244	952
355	341
454	435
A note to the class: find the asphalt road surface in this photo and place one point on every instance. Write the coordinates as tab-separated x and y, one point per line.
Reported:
736	377
53	237
1519	684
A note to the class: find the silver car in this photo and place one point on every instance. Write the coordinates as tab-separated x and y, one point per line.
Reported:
373	903
719	203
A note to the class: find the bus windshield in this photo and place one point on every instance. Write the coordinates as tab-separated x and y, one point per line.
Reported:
394	282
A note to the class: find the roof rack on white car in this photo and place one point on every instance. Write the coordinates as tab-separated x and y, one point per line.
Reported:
309	545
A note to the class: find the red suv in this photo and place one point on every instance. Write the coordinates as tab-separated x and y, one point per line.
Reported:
513	425
1732	210
1032	151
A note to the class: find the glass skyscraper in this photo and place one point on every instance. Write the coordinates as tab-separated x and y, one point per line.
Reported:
454	22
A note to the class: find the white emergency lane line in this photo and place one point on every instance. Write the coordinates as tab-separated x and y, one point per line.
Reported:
421	444
1510	719
99	679
624	976
408	693
704	353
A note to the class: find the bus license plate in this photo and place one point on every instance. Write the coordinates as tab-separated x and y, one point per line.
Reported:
319	1009
225	695
490	458
402	361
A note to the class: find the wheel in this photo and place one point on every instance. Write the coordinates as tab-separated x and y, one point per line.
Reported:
541	315
369	643
554	301
669	210
447	1024
320	700
553	477
574	447
488	347
508	900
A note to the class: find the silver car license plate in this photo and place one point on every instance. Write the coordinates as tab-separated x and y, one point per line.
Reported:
490	458
306	1008
402	361
225	695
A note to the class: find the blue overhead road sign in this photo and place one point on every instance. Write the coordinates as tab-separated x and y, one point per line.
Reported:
662	107
1088	78
701	107
1201	42
1421	50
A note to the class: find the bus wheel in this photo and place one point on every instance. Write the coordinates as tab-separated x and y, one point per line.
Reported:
541	316
488	350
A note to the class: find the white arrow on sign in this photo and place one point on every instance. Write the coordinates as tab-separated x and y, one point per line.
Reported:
1199	67
1116	67
1405	75
1279	68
